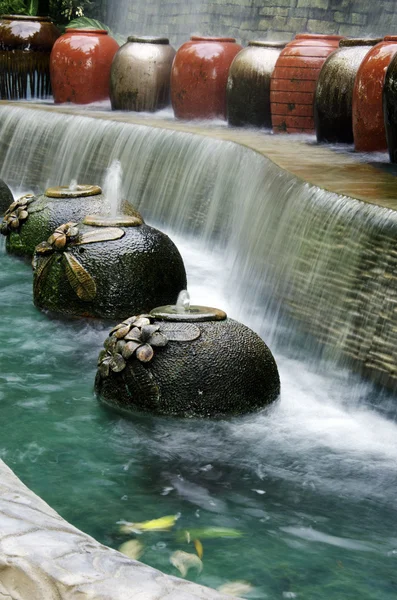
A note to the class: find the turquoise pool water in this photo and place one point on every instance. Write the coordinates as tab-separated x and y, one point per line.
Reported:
310	483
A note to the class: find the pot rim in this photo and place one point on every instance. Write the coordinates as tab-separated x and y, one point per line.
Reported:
81	191
390	38
147	39
109	221
267	44
195	313
26	18
351	42
316	36
204	38
86	30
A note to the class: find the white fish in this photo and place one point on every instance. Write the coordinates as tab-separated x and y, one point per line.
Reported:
183	561
235	588
132	549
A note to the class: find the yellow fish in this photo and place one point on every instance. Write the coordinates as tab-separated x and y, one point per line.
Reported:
161	524
184	561
132	549
199	548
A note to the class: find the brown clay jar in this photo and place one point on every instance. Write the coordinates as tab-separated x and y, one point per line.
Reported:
25	48
140	74
334	91
199	76
248	84
294	81
80	65
368	126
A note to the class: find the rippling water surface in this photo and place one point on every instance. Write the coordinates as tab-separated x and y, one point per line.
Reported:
310	483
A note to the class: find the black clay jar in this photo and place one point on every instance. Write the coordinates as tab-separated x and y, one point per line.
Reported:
334	92
390	108
186	363
248	84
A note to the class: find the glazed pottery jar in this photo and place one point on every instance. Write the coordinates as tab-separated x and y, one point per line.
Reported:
186	363
80	65
248	84
390	108
140	74
368	125
106	267
294	80
32	219
199	76
334	91
25	47
6	197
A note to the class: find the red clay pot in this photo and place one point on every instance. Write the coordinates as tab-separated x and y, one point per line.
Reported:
294	80
25	47
80	65
368	125
199	76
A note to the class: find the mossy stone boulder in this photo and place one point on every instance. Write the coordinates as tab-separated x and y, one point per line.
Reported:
105	267
186	365
42	214
6	197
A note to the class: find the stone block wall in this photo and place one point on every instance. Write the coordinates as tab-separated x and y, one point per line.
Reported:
251	19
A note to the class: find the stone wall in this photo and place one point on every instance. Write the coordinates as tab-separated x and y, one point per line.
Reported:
251	19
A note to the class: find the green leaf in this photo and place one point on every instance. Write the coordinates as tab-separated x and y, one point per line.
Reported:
84	22
33	7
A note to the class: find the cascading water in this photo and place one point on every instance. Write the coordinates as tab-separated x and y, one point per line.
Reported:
309	483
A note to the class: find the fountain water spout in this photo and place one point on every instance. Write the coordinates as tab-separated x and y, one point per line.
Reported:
112	188
183	301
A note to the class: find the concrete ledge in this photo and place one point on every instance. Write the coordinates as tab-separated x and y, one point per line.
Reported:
318	165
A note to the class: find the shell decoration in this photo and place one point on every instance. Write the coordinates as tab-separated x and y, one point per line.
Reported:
65	236
136	337
16	214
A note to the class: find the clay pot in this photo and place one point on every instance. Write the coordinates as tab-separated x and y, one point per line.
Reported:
193	363
106	267
42	214
140	74
6	197
334	91
390	108
294	80
368	125
80	65
25	47
248	84
199	76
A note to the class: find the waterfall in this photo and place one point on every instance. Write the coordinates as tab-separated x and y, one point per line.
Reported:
309	270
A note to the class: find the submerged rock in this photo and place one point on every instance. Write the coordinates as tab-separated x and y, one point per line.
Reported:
194	363
106	267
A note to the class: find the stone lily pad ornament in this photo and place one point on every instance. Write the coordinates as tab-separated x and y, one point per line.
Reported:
32	219
106	267
192	362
